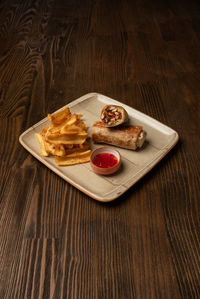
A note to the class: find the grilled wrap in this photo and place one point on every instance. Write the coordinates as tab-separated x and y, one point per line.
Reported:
125	136
113	115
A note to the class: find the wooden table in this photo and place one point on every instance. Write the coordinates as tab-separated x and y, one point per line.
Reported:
55	241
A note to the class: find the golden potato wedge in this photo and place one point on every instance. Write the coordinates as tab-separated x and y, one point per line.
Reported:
77	148
69	138
55	149
41	141
75	158
73	128
82	125
59	116
71	120
65	138
44	130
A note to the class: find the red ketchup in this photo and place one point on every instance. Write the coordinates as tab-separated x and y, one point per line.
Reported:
105	160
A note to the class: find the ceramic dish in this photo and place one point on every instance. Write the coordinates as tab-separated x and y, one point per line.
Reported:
135	164
105	169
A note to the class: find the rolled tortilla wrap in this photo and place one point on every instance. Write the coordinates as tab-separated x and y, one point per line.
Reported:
113	115
125	136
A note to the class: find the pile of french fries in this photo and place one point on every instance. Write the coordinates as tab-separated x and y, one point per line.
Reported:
65	138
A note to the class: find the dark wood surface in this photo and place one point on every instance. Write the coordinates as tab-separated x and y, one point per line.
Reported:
56	242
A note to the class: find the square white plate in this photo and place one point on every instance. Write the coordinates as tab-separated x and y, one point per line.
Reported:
135	164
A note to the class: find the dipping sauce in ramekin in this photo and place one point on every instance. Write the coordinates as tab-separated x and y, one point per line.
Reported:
105	160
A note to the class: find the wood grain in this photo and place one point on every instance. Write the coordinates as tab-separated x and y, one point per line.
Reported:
55	241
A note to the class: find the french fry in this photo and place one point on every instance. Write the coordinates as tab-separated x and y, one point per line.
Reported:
44	130
73	119
65	138
70	120
82	125
72	128
58	117
75	158
77	148
55	149
41	141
